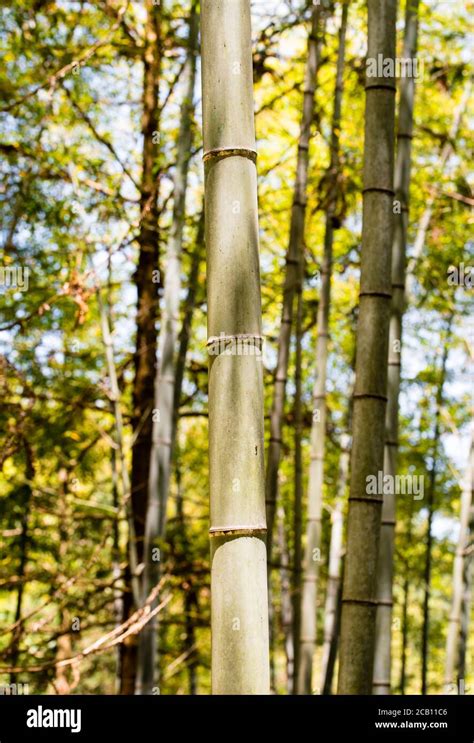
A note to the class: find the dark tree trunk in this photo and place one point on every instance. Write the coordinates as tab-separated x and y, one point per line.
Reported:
25	506
147	282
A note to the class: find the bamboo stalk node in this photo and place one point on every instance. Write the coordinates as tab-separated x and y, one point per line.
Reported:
365	499
383	295
381	86
362	602
160	441
378	189
221	152
239	530
238	337
242	344
369	395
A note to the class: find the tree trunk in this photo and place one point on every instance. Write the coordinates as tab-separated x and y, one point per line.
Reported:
427	588
116	569
466	607
106	310
291	276
190	598
62	681
383	631
364	517
318	428
163	413
298	483
185	332
239	612
460	568
286	609
146	284
403	666
131	598
406	592
331	664
335	562
24	538
431	508
114	396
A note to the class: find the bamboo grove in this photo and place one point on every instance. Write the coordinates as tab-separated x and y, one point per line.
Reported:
236	347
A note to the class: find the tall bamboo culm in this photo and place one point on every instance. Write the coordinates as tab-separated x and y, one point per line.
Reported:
318	428
298	211
239	612
369	400
454	663
334	567
383	633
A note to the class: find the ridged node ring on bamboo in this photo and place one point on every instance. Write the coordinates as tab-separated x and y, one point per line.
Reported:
362	602
369	396
378	189
365	499
221	152
383	295
239	531
381	86
222	342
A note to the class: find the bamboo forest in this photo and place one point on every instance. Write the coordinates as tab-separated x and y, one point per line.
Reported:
236	348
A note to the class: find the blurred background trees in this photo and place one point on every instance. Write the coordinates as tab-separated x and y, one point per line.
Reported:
89	193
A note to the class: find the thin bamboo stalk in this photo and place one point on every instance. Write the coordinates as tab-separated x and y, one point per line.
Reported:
318	427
